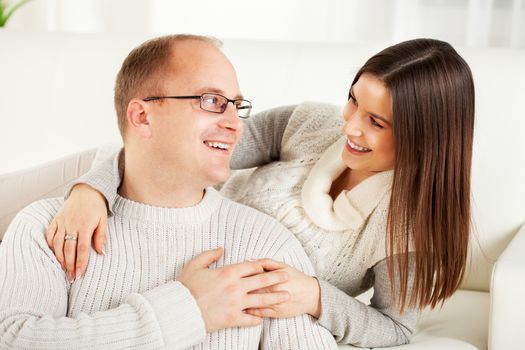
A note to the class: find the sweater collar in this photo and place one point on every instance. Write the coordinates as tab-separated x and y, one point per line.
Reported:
351	208
183	216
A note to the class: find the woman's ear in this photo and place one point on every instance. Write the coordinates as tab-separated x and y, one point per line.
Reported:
138	122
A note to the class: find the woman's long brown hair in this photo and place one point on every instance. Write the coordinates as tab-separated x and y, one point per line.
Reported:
433	124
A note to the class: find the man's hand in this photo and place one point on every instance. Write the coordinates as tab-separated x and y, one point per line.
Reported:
304	290
224	293
83	215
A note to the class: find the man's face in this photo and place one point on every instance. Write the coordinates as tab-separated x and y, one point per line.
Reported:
187	140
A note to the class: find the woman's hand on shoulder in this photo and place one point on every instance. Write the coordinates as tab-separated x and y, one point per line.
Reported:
82	217
304	293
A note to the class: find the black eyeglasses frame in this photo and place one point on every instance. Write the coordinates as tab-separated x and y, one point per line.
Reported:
200	97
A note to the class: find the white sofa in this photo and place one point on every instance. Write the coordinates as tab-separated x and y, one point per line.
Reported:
56	100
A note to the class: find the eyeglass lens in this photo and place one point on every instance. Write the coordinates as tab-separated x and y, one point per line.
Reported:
218	104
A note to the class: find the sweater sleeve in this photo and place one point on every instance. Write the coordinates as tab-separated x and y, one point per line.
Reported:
376	325
105	177
300	332
34	304
262	138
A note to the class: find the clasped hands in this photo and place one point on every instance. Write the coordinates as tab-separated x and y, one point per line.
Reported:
240	295
237	295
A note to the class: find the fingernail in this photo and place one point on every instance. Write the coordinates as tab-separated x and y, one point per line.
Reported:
78	275
70	277
103	251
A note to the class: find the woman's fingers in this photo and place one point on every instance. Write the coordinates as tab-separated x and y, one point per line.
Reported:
270	265
263	312
258	301
82	252
58	245
99	237
271	289
50	233
70	254
263	281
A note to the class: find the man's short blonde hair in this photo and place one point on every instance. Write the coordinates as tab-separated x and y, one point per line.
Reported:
144	70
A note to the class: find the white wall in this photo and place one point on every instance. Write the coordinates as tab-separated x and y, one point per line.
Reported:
30	69
469	23
57	96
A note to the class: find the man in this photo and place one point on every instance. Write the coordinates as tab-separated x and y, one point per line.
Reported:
178	104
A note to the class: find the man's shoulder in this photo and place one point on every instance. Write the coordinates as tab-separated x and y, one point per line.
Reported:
36	215
43	210
262	236
248	211
251	223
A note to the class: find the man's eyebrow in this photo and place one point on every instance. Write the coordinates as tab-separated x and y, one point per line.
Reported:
372	114
219	91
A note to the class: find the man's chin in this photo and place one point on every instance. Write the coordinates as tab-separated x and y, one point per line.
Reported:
219	177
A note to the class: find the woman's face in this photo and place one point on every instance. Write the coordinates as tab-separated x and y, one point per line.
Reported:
368	127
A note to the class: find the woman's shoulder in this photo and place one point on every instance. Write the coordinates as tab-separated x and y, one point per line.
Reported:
314	115
312	128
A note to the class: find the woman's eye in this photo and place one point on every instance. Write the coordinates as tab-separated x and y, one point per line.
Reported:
374	123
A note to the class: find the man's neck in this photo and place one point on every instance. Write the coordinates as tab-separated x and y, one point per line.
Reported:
158	187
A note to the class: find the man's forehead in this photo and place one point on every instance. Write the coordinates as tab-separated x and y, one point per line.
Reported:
203	69
190	52
217	90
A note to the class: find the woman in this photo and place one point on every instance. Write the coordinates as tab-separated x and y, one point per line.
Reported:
385	204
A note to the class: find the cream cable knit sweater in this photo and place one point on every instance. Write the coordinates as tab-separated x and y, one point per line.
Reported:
130	299
345	238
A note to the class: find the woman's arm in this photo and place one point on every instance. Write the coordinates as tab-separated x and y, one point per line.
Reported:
376	325
350	321
105	177
262	137
84	213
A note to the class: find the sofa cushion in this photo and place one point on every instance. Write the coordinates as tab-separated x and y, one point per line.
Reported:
462	324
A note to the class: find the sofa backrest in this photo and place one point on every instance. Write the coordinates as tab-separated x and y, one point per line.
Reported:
56	98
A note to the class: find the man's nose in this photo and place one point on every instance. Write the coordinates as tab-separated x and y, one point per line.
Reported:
230	118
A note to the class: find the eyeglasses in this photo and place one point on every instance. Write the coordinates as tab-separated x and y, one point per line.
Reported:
214	103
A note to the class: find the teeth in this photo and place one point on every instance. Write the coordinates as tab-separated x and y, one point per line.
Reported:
219	145
357	147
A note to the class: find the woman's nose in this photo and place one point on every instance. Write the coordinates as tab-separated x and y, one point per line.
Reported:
352	127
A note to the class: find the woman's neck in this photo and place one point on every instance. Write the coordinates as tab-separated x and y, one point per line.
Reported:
348	180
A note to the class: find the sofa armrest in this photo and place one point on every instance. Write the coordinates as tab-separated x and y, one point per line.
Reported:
507	304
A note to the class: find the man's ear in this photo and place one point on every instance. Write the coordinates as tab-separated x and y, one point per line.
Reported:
138	122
